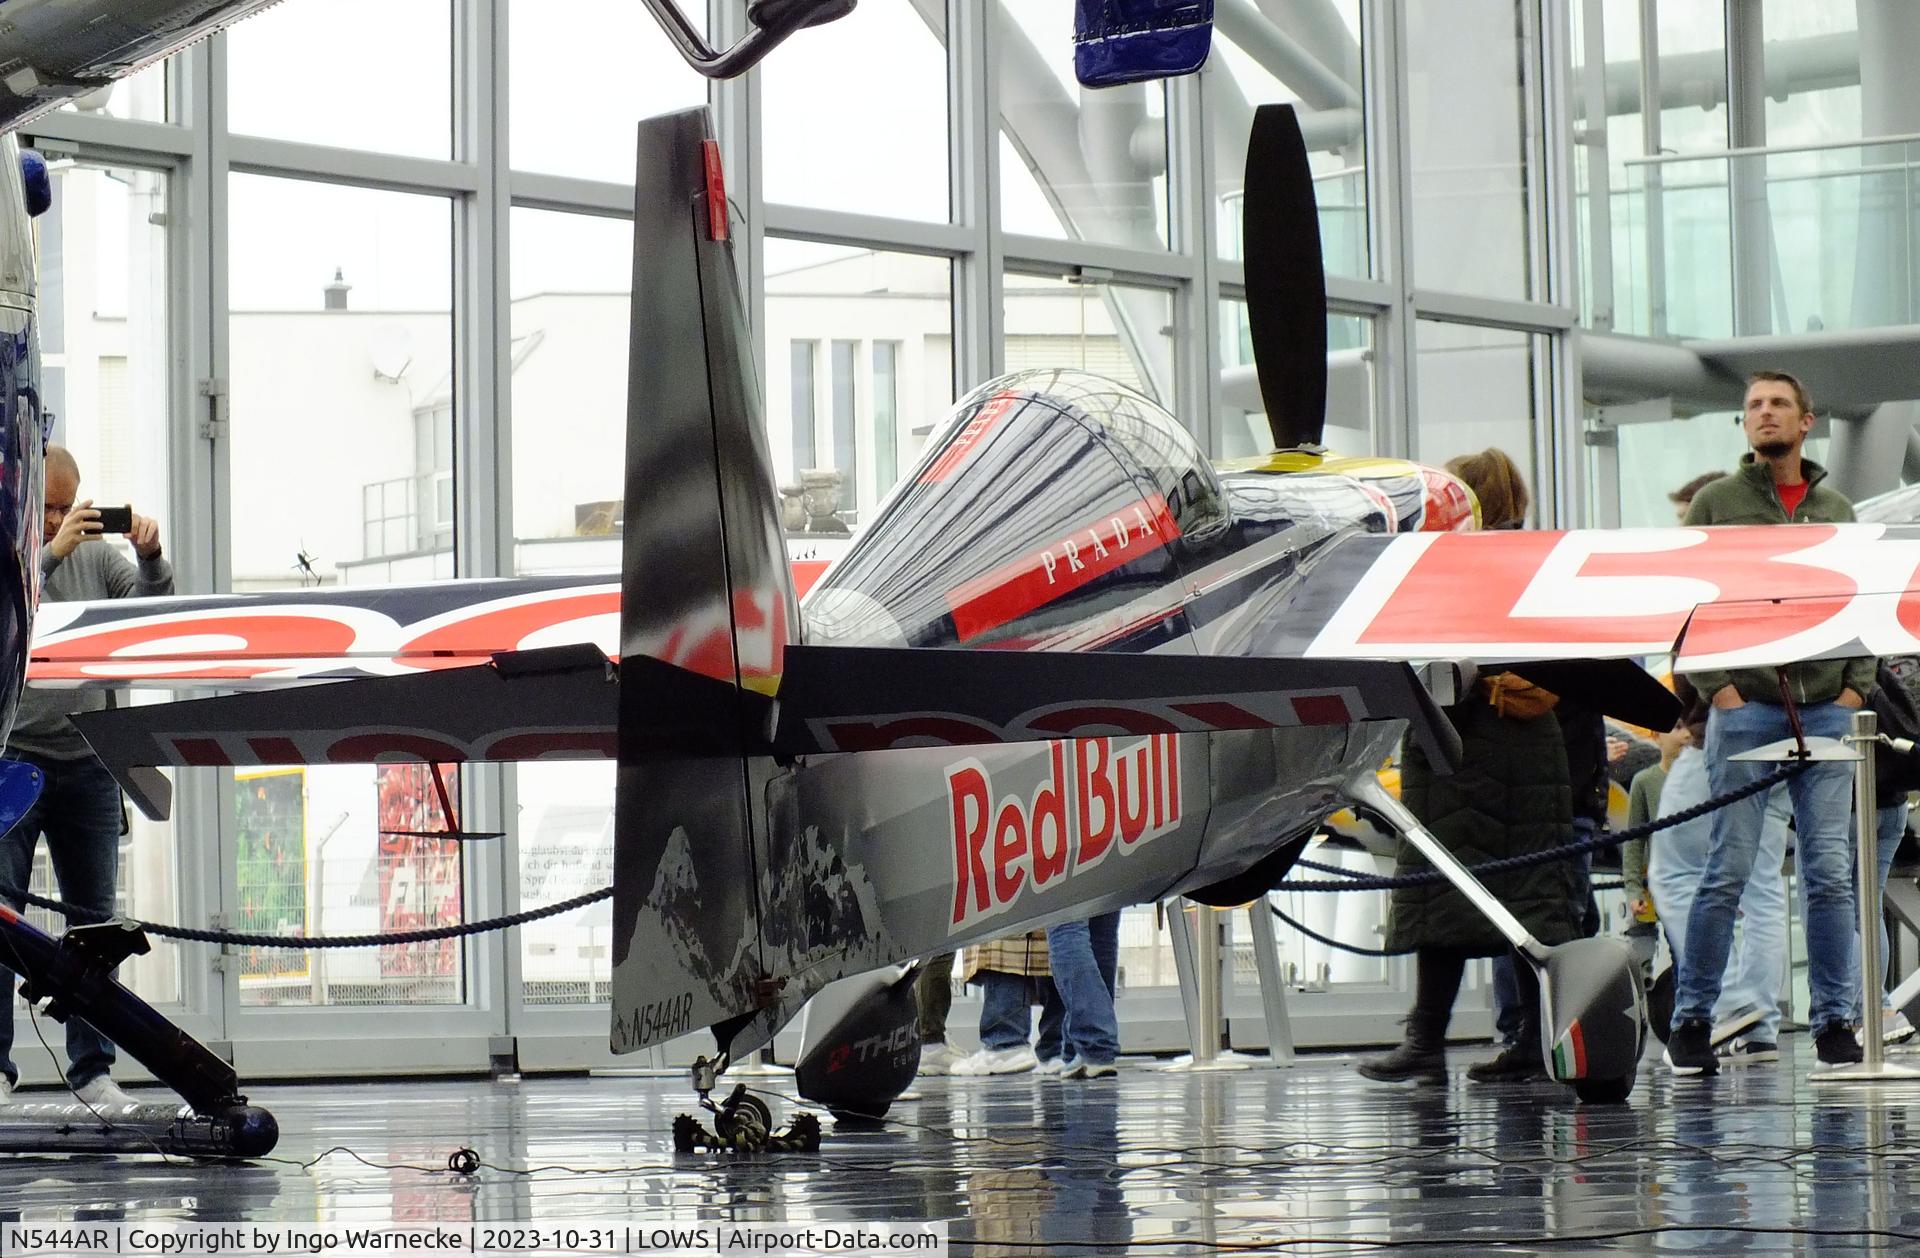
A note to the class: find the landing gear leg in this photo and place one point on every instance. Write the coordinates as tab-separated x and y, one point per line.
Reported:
743	1123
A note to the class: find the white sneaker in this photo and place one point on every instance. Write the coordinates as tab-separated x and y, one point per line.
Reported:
1745	1020
1055	1066
1093	1070
937	1059
104	1093
1895	1028
998	1061
6	1087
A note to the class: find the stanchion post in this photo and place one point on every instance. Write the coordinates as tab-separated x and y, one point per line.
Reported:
1874	1067
1206	964
1866	838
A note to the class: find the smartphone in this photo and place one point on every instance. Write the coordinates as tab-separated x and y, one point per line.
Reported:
115	519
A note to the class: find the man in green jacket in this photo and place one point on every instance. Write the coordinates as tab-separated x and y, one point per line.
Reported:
1774	485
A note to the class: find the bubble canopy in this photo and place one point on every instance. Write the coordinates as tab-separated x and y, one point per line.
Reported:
1046	500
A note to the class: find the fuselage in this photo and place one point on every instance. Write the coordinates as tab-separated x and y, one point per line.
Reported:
1056	511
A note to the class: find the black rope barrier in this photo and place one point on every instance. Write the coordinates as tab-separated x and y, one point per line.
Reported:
1317	937
1348	881
309	942
1351	881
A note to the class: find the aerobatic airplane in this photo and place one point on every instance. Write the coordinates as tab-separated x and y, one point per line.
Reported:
1071	664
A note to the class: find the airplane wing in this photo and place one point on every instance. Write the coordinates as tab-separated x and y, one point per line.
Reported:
1716	598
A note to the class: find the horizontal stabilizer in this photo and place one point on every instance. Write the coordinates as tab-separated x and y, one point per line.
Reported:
875	698
545	704
267	641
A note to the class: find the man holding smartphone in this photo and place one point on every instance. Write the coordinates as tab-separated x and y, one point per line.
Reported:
79	809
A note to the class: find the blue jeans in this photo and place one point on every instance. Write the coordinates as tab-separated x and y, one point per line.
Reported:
1756	975
1085	959
1822	809
1006	1003
79	812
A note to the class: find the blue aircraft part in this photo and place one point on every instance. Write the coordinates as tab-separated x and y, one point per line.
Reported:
20	785
1125	41
33	170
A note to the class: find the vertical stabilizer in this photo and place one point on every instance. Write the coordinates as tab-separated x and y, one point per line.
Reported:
705	589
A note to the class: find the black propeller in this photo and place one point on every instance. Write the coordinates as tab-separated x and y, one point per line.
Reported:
1286	283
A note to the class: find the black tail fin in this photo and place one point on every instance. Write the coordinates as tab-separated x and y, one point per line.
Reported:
1286	281
705	586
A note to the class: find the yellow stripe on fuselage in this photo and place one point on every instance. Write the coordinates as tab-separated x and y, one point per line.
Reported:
1360	467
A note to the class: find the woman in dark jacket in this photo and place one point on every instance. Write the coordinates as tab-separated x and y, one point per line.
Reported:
1509	798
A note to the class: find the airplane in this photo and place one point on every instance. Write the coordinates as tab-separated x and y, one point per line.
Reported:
1071	665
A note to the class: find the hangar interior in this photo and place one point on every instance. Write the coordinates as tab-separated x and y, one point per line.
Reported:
341	297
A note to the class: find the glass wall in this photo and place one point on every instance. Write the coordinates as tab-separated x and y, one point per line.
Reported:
1480	388
859	366
1075	163
571	279
1472	143
827	145
1320	52
343	406
285	75
565	120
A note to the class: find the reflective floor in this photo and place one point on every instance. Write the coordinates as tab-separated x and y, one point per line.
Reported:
1310	1159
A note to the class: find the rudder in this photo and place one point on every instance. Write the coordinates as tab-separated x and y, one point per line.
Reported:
705	588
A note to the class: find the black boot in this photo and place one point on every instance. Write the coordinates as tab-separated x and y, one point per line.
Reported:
1518	1062
1421	1057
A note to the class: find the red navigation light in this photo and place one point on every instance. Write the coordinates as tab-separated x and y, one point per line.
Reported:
716	190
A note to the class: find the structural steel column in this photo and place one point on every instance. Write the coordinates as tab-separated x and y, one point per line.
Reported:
1747	176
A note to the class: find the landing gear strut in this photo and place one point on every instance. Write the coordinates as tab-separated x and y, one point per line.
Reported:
742	1123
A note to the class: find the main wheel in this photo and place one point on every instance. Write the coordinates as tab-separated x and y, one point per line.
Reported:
871	1117
1603	1091
1660	1003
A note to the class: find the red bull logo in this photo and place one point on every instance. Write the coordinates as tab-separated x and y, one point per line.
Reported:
1100	796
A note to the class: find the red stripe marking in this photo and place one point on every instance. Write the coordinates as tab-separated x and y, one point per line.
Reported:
1579	1043
962	446
275	750
201	751
1321	710
716	190
805	573
1086	554
1221	715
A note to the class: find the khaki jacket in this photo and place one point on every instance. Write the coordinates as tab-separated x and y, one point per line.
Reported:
1025	955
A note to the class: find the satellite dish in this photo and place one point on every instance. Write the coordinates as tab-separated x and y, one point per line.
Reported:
390	347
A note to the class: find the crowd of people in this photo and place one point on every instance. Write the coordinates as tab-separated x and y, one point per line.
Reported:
1534	776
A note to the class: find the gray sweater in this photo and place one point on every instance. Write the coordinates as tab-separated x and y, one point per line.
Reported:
95	570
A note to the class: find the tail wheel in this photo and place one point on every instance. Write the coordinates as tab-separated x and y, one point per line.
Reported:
743	1121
